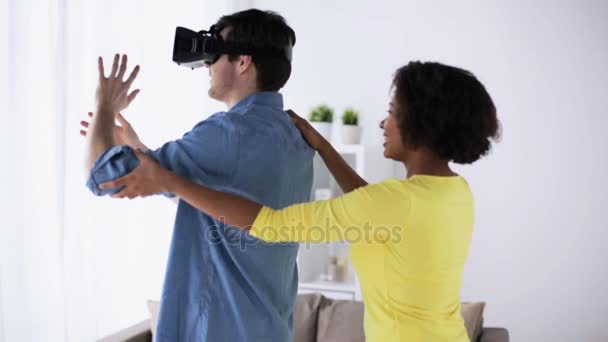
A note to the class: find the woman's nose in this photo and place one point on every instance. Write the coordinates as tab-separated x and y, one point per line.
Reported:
382	124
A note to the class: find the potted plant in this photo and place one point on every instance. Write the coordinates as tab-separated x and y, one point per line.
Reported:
321	118
351	132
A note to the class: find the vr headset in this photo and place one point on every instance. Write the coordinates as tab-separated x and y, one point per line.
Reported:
196	49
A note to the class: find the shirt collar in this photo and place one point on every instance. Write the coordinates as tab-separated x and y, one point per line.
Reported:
266	98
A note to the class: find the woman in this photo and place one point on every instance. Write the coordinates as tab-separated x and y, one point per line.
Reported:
409	238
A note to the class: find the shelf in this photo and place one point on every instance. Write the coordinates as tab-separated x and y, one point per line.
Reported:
329	285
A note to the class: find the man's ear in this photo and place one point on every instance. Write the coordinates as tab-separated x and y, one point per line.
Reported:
245	62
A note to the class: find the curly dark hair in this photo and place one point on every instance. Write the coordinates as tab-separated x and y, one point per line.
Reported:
445	109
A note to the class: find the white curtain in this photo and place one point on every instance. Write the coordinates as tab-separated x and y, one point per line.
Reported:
74	267
32	285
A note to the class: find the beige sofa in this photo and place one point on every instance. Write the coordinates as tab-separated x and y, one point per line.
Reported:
319	319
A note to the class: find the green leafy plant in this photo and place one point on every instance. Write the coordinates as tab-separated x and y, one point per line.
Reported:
321	113
350	117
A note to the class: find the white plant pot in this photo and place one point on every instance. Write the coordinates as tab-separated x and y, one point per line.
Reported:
351	134
324	128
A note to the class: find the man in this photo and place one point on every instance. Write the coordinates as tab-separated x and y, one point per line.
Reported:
221	285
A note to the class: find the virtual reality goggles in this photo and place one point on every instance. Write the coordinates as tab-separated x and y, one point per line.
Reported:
196	49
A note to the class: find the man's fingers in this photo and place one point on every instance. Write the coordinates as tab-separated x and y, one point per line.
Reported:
132	96
115	65
85	125
123	68
102	75
132	76
121	119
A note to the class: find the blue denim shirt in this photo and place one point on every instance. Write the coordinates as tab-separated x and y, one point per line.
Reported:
222	284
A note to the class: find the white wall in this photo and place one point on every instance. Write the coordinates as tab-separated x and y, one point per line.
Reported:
537	257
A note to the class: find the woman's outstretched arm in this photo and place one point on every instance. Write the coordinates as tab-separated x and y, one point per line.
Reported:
370	213
231	209
150	178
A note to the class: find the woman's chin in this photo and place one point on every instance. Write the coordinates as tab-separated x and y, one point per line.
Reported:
388	154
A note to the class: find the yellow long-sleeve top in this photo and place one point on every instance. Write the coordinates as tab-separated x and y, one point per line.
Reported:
409	240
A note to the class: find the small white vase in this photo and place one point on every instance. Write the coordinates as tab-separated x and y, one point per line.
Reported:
324	128
351	134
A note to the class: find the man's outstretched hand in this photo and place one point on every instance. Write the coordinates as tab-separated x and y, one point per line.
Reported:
112	96
112	92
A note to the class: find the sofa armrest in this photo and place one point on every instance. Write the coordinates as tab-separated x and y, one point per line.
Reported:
139	332
494	335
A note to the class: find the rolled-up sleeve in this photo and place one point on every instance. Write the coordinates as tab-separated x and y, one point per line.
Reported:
113	163
206	155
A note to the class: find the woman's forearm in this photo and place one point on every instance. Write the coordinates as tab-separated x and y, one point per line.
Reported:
346	177
233	210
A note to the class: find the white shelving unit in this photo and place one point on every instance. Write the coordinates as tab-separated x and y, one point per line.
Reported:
369	162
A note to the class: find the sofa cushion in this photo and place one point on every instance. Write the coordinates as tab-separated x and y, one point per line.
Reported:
494	335
343	320
472	313
139	332
305	314
153	308
317	318
340	321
